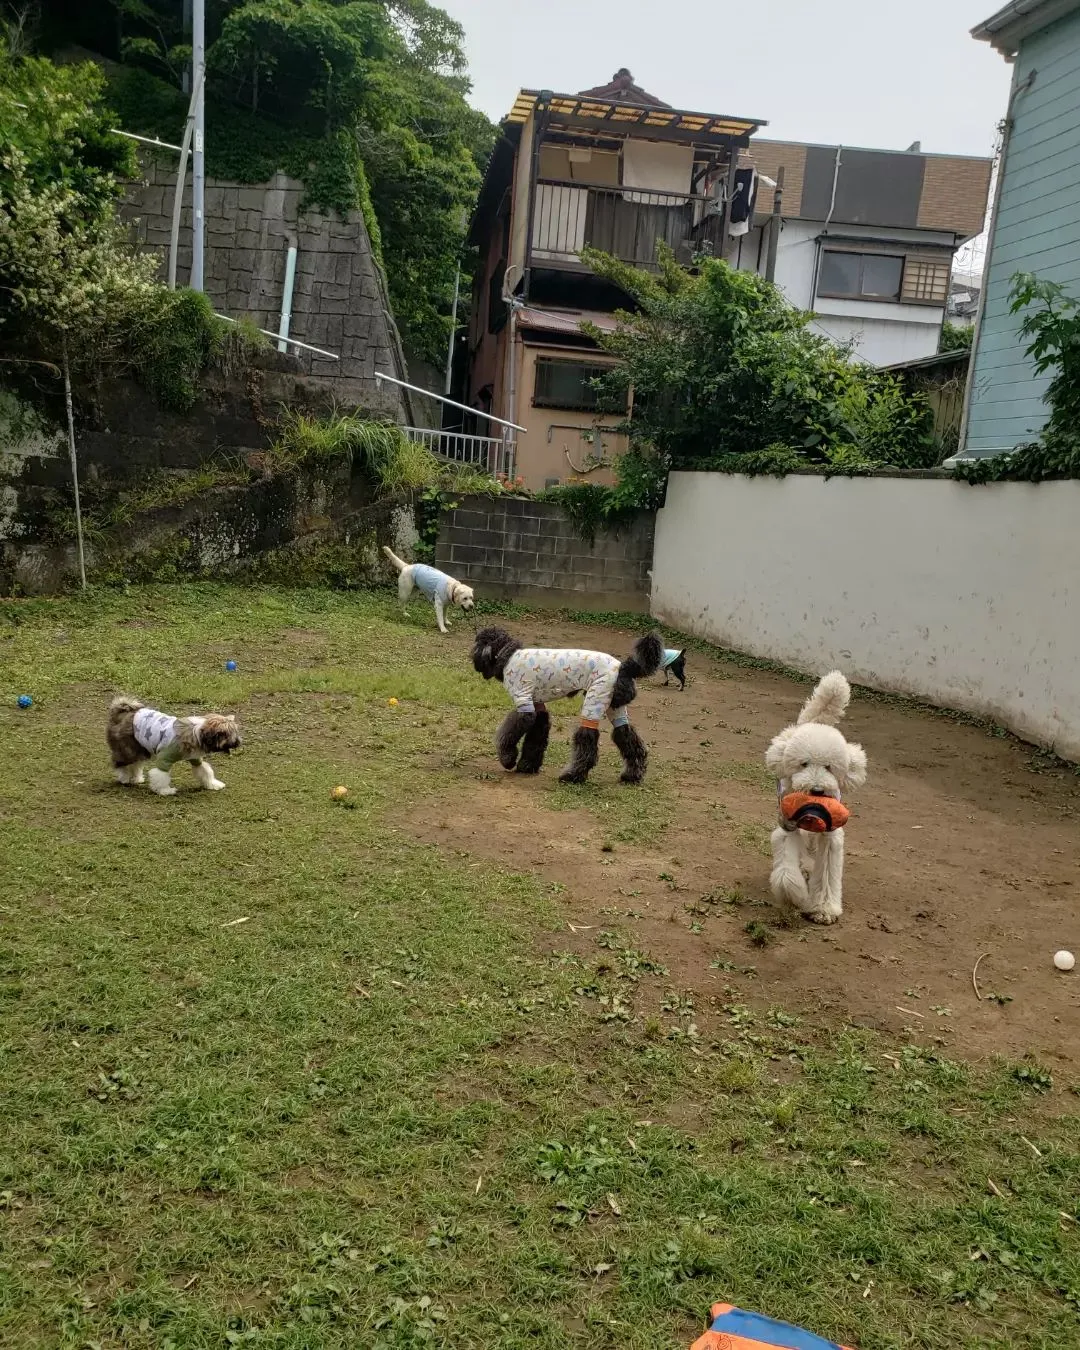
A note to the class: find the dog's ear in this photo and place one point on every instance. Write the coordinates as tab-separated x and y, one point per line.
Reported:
856	765
489	643
483	650
774	756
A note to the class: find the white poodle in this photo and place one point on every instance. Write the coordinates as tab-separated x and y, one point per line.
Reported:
813	757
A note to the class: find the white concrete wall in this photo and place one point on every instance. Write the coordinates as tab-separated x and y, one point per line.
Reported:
966	596
880	341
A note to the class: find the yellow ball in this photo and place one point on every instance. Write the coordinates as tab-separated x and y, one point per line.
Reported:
339	792
392	702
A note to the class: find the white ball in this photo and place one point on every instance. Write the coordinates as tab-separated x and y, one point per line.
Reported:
1064	960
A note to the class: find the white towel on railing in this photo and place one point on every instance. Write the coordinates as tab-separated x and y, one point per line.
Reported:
657	166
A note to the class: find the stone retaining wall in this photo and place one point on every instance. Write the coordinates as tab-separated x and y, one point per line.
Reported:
339	297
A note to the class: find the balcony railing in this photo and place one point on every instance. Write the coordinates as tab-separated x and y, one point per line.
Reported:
488	454
625	222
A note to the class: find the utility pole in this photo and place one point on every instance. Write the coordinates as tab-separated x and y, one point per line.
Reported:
178	189
774	226
198	163
453	335
185	78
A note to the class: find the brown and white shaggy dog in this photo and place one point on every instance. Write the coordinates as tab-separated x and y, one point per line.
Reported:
534	675
139	737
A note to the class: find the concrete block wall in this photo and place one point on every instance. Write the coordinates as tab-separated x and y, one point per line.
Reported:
339	297
511	548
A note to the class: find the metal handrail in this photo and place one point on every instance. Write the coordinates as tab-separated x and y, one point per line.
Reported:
449	402
621	189
493	454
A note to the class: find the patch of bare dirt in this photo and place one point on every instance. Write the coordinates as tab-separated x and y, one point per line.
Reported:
961	845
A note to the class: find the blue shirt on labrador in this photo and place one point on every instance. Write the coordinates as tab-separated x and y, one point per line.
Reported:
431	582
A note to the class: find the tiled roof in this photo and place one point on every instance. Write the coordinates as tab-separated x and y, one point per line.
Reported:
566	320
623	89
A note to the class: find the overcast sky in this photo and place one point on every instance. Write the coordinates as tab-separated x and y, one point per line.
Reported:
852	72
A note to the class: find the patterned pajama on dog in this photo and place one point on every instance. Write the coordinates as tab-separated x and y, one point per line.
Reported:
535	675
156	733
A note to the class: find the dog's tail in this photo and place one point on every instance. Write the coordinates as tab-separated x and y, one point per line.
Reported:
645	659
395	560
120	708
828	702
122	705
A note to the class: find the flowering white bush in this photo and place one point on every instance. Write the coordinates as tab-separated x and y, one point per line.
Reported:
60	270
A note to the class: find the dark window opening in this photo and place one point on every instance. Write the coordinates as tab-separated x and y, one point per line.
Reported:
569	385
860	276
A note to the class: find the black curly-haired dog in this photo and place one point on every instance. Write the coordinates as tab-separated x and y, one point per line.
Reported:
534	675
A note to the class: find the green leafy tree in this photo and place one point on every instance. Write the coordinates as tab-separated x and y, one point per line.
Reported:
1051	325
364	100
955	337
64	265
71	287
723	369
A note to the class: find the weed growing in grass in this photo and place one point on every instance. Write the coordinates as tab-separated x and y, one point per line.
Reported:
760	934
741	771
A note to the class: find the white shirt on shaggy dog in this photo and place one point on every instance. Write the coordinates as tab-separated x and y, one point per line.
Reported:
155	731
536	674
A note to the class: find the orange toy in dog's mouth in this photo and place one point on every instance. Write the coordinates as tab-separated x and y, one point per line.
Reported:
819	815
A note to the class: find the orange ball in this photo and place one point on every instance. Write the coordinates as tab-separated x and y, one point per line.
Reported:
339	793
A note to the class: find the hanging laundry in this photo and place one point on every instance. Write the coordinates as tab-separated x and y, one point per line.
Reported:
743	198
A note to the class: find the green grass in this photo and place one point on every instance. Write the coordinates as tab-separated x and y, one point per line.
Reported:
376	1113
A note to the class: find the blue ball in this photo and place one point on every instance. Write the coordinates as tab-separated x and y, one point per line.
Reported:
25	701
230	665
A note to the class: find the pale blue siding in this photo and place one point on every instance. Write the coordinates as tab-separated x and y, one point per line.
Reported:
1038	230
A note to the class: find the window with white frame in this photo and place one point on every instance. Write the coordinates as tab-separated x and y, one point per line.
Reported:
860	276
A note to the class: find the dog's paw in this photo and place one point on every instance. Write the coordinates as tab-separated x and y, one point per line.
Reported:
164	791
215	786
821	916
572	776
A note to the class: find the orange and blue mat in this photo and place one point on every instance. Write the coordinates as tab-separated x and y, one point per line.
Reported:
734	1329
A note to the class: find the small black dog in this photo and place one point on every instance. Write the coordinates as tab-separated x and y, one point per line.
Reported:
675	664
